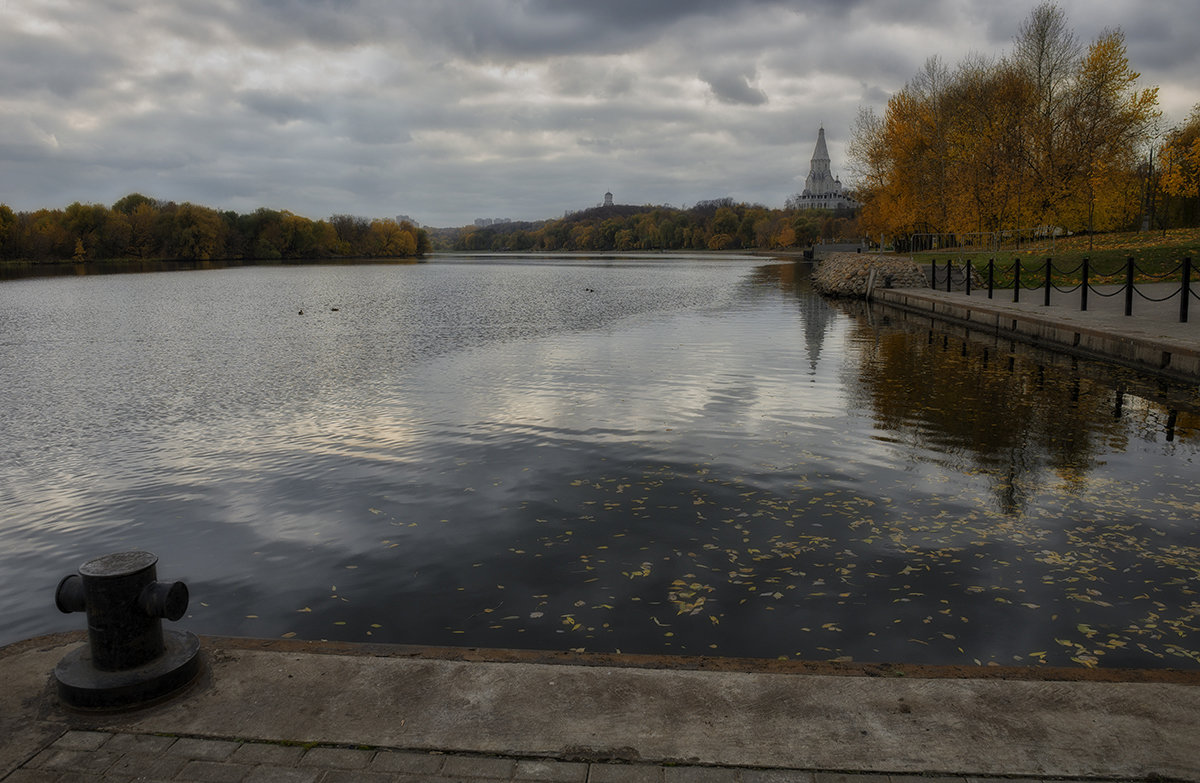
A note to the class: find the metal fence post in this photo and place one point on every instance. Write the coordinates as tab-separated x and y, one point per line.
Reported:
1185	290
1129	286
933	274
1083	287
1046	298
1017	280
991	276
949	276
968	281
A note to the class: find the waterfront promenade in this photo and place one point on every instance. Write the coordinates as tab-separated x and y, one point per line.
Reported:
1152	339
292	711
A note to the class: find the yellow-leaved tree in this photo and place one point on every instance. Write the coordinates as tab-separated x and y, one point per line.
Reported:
1050	135
1179	168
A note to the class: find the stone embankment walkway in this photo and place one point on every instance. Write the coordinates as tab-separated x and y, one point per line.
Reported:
104	756
296	711
1152	339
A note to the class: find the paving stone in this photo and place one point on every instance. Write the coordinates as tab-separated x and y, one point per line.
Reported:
336	758
776	776
926	779
268	753
358	776
271	773
93	761
842	777
155	766
699	775
81	740
214	772
88	777
477	767
32	776
556	771
407	763
203	749
624	773
85	777
138	743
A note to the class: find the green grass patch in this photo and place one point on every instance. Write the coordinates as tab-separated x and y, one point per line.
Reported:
1156	254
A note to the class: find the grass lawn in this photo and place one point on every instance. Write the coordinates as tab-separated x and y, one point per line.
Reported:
1156	253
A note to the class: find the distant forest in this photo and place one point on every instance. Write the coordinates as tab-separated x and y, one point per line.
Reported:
143	228
139	227
717	224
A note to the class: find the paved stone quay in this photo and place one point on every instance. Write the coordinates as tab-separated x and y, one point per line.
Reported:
104	756
284	710
1151	339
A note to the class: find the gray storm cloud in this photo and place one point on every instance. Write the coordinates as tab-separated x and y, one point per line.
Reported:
448	111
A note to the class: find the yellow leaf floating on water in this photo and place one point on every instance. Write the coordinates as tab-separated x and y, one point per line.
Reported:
288	635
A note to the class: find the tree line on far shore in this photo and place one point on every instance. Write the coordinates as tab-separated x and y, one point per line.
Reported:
143	228
715	224
139	227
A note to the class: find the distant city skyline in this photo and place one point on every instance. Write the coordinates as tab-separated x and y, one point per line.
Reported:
450	112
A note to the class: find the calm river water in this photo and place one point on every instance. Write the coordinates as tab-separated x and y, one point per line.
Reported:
656	455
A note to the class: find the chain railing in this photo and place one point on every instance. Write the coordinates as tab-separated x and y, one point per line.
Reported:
1048	277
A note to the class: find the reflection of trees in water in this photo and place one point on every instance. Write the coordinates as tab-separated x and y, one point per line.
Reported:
1005	413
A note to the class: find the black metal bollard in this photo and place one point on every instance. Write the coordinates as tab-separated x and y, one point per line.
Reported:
1083	286
1129	289
129	658
1049	283
1185	290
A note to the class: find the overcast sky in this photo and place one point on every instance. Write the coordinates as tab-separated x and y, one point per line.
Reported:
450	110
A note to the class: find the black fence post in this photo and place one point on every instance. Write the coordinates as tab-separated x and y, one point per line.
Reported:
1083	287
1185	290
933	274
1017	280
991	276
1049	282
968	281
949	276
1129	286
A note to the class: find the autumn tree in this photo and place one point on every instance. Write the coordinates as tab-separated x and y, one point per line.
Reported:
1047	52
8	228
1108	124
1179	167
388	239
1049	134
194	232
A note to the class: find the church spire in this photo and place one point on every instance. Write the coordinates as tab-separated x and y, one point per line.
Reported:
821	153
820	181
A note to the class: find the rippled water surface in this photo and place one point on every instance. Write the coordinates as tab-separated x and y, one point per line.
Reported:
656	454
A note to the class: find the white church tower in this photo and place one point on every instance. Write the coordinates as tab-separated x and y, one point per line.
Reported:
822	190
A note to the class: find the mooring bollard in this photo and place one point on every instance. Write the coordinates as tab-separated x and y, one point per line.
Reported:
129	658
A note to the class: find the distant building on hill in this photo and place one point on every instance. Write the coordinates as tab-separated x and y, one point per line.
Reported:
822	190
